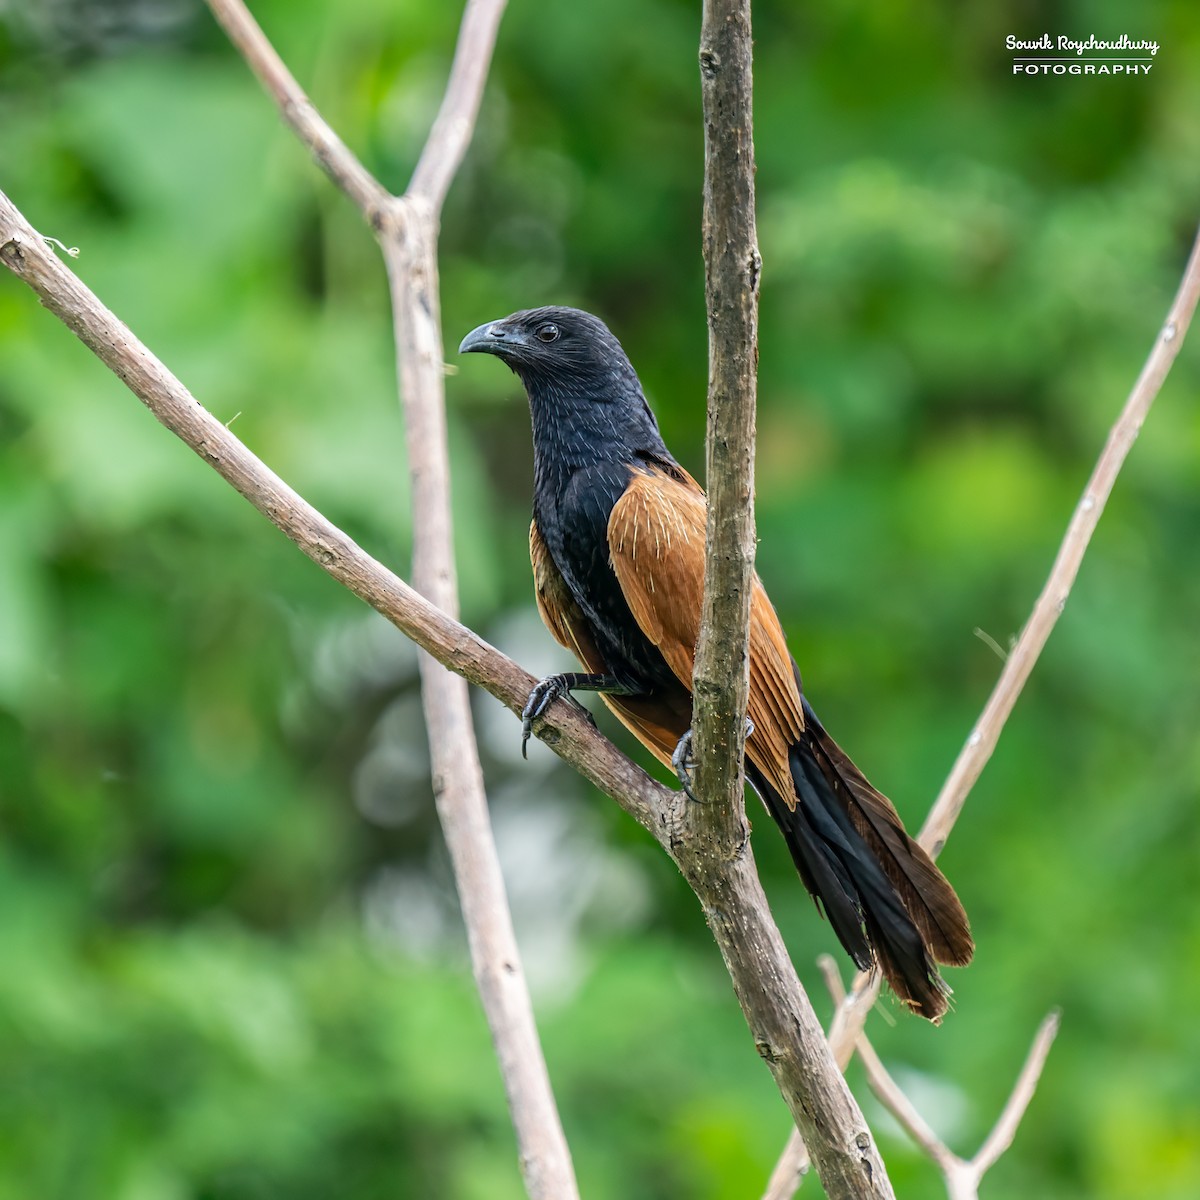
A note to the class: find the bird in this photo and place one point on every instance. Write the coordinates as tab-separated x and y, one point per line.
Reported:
617	549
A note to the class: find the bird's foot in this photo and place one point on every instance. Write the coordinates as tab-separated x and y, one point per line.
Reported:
544	694
685	764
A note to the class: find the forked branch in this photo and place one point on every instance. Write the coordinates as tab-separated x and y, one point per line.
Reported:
407	229
962	1176
852	1013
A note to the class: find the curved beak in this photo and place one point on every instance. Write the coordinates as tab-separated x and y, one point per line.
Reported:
495	337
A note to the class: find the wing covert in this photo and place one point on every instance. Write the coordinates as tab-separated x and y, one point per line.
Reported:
656	536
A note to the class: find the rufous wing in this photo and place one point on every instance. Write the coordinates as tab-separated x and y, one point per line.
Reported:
656	535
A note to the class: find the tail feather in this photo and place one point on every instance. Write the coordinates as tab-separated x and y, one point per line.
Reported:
820	851
925	891
883	896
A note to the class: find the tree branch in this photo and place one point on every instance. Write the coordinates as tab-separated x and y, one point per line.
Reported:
720	680
407	229
455	122
1005	1128
1050	604
330	152
852	1011
714	853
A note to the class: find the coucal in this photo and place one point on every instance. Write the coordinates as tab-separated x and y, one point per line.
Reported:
617	545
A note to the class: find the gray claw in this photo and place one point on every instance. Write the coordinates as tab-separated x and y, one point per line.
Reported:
540	699
685	764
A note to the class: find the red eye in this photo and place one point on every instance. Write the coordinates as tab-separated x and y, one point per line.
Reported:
546	333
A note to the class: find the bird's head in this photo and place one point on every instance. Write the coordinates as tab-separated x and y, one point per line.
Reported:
562	350
584	396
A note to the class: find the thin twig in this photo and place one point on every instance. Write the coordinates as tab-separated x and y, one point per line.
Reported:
884	1086
452	128
1005	1128
331	153
1049	606
962	1176
1019	663
407	229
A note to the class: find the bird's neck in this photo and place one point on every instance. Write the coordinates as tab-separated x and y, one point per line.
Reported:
577	432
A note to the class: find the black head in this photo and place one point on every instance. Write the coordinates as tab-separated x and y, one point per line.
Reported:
584	395
555	346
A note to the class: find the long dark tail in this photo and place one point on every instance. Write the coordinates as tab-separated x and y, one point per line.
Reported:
884	897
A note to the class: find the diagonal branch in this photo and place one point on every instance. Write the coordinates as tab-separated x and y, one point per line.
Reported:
455	122
330	152
1005	1128
780	1018
852	1011
882	1084
1050	604
570	734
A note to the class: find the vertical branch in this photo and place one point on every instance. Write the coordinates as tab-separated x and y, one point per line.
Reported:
408	238
407	228
786	1031
716	856
731	270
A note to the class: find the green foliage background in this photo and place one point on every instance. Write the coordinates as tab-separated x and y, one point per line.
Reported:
230	964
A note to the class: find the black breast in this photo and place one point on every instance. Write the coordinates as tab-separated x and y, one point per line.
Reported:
573	520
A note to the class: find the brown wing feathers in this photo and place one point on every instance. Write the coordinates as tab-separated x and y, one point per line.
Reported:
656	547
657	723
847	840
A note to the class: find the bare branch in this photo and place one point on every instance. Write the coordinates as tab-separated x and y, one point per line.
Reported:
1019	663
849	1017
883	1085
1050	604
790	1169
570	734
407	230
410	253
330	152
731	267
451	133
1005	1128
780	1019
962	1177
715	854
